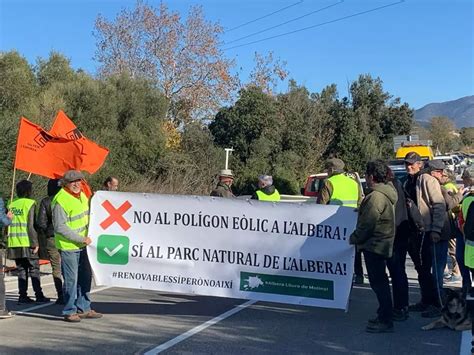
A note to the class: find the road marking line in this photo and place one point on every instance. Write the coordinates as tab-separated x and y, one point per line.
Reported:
199	328
465	342
26	310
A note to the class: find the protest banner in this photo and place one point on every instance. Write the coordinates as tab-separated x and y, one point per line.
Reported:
279	252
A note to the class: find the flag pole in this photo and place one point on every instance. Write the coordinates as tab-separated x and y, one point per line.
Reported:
29	175
13	184
14	161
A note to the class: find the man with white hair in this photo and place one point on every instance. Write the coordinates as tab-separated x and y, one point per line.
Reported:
266	191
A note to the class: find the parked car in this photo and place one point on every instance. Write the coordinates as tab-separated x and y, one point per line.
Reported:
313	184
448	161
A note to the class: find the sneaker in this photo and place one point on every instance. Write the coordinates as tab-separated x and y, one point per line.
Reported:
42	299
359	279
379	327
399	315
431	312
72	318
454	279
25	300
417	307
6	314
90	315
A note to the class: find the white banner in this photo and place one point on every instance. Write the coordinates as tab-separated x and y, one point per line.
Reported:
279	252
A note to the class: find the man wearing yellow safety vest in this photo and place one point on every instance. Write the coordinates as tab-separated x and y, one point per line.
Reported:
340	189
70	208
22	243
266	191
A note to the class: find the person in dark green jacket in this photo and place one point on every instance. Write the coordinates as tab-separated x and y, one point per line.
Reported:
374	236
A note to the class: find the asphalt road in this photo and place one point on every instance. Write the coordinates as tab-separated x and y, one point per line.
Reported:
137	322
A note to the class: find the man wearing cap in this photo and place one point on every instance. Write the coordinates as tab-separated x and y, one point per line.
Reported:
425	192
70	208
437	169
340	189
223	188
266	191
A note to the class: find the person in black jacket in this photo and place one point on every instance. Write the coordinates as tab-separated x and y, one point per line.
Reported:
44	221
440	248
396	264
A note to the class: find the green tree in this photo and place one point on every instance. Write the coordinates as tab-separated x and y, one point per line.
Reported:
442	131
240	125
467	137
56	69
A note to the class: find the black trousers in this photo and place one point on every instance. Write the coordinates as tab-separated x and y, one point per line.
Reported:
420	251
28	267
378	280
396	268
358	271
2	281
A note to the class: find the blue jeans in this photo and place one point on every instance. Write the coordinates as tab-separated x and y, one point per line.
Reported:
440	258
77	276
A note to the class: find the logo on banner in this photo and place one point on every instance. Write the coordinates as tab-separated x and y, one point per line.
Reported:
116	215
287	285
113	249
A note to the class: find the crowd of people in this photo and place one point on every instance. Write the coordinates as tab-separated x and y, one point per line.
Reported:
419	217
427	217
61	226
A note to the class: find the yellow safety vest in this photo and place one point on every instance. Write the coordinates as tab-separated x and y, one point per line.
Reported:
77	212
469	248
262	196
451	187
18	229
345	191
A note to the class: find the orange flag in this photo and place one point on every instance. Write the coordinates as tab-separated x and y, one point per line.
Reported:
40	153
92	154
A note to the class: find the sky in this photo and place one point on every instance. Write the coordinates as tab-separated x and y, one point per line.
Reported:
422	50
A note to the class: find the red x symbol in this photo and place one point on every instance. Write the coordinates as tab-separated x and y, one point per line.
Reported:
116	215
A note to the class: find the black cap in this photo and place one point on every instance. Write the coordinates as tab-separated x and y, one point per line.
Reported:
412	158
436	164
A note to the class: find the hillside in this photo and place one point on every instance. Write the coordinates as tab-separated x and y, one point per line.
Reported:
461	111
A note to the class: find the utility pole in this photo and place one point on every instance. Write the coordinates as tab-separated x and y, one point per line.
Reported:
227	152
